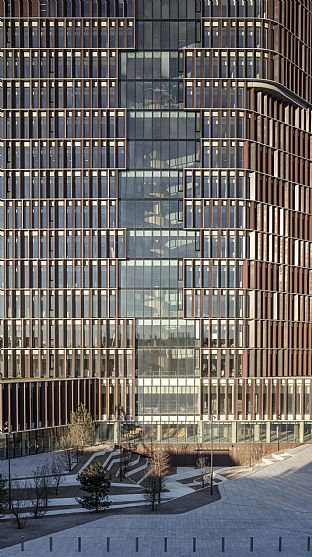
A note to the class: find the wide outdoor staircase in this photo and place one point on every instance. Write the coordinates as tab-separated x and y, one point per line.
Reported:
228	473
139	471
275	457
136	464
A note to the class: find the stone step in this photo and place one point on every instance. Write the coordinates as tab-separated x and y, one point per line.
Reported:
266	460
278	456
135	461
144	475
139	468
219	477
139	472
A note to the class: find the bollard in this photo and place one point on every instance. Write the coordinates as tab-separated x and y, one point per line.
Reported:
165	545
222	544
107	544
280	543
194	545
22	544
309	544
51	543
136	544
79	544
251	544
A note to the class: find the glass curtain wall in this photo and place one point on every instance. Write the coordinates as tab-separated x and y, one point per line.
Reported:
162	140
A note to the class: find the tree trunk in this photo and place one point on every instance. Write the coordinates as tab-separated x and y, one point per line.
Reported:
159	489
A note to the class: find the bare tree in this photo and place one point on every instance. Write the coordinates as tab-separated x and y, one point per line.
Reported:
20	502
56	472
4	499
151	487
159	466
47	482
201	464
127	455
68	454
41	486
249	454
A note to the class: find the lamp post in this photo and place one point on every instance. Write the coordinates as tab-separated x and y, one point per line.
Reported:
120	453
152	445
122	420
211	454
6	432
250	443
277	432
119	442
254	411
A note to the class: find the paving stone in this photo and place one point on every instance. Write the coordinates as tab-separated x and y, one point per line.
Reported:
274	501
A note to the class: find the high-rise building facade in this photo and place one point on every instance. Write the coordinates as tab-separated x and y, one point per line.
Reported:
155	219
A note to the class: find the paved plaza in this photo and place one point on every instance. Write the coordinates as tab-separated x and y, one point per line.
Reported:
274	501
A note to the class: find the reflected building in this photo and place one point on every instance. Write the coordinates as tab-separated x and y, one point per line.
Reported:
155	219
